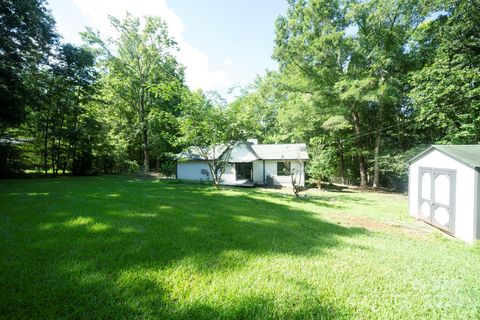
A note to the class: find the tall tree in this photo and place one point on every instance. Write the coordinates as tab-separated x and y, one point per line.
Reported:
256	109
384	30
354	55
26	37
209	130
311	41
139	67
446	91
58	119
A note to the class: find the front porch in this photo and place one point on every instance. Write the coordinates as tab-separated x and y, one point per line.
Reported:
247	183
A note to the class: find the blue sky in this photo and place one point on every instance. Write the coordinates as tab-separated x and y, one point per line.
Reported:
222	43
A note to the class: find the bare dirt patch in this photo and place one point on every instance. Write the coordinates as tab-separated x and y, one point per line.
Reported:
417	230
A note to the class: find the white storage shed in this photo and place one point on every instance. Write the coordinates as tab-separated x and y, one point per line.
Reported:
444	190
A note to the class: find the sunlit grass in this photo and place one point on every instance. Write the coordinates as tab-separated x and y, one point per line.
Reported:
120	247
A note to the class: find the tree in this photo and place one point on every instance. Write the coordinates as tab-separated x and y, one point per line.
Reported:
320	166
385	28
26	37
256	109
295	173
350	58
139	68
336	126
208	130
61	120
446	91
311	43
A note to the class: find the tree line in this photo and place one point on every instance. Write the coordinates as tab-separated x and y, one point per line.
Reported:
366	84
108	105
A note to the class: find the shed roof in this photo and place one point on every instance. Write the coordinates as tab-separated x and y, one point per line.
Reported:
466	154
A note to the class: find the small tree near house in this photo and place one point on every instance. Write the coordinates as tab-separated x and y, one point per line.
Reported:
217	158
295	173
207	129
320	166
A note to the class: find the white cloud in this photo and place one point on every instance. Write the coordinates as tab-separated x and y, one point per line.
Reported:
199	73
227	62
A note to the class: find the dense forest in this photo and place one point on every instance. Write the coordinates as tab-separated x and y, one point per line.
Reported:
366	84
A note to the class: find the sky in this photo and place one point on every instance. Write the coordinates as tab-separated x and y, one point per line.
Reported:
223	43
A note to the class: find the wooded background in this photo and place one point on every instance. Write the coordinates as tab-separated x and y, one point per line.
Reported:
366	84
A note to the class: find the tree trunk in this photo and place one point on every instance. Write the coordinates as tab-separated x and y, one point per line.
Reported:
52	154
45	146
376	166
59	149
75	135
65	164
144	131
146	164
47	126
378	137
214	172
361	159
342	162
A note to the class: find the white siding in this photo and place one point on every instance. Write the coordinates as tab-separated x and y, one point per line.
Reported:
465	189
229	174
192	170
477	199
285	181
258	172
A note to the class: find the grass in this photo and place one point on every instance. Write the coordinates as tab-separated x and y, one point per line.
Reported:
122	247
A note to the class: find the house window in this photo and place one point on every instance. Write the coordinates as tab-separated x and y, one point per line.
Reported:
244	170
283	168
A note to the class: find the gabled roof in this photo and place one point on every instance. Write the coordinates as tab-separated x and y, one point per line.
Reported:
193	153
247	152
243	152
467	154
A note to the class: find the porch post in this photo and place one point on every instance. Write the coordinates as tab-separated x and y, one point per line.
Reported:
263	172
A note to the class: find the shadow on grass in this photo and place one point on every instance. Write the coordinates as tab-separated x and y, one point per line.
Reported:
82	248
327	199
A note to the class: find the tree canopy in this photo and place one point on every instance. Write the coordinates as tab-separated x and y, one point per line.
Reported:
365	84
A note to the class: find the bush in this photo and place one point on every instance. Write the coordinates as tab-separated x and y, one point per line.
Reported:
130	166
168	168
11	161
127	166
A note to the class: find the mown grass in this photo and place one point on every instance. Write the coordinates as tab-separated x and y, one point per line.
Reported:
121	247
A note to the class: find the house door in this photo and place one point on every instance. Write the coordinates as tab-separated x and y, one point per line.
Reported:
244	170
437	197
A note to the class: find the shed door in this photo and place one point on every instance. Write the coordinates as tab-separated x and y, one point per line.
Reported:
436	197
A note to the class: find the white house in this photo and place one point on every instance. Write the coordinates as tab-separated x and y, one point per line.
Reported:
250	163
444	189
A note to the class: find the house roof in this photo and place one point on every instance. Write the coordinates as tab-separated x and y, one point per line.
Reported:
248	152
292	151
193	153
466	154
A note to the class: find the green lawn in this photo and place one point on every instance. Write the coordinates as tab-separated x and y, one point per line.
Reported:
122	247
